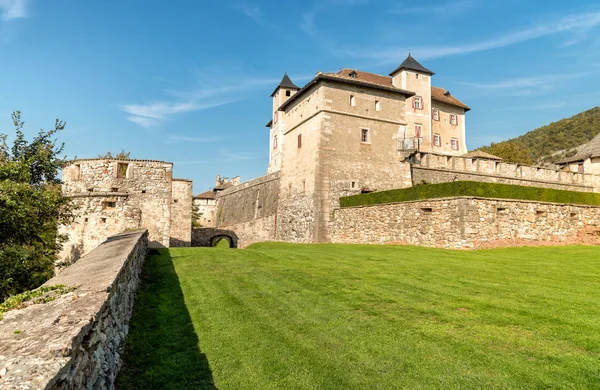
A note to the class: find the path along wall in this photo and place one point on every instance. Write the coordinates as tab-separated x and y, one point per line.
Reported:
467	223
75	341
432	169
250	209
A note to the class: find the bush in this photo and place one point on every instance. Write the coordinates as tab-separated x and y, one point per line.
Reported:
471	188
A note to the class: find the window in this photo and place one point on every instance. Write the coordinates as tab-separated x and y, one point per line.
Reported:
122	170
437	140
435	114
416	75
274	142
288	93
454	143
275	117
111	204
352	100
299	141
77	172
418	131
353	74
377	105
453	119
418	102
364	136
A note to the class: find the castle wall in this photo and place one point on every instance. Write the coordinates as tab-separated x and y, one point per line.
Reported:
206	210
433	169
181	213
250	209
140	192
468	223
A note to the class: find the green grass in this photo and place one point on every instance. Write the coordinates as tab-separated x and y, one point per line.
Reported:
472	188
283	316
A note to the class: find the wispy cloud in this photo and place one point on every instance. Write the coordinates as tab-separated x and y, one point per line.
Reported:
252	11
308	19
175	137
214	88
456	6
577	23
224	156
13	9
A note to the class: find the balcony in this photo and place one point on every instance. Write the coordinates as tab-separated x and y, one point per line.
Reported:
408	144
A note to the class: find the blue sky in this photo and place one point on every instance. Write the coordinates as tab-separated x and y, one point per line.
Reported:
190	81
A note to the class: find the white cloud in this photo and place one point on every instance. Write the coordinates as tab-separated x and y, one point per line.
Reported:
13	9
175	137
224	156
251	11
435	8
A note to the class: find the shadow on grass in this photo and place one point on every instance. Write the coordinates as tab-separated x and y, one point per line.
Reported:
162	349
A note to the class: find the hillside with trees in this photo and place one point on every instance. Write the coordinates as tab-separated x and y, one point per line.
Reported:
551	143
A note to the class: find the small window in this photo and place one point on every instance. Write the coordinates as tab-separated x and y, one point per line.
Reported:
274	142
437	140
418	131
77	172
299	141
111	204
353	184
454	143
453	119
86	219
377	105
175	200
91	189
122	170
418	102
275	117
352	100
435	114
288	92
114	189
143	191
102	220
364	136
353	74
416	75
426	209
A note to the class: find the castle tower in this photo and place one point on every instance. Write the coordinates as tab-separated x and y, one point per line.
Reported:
282	93
414	77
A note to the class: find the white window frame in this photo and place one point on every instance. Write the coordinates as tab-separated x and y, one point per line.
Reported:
454	143
377	105
352	101
418	102
365	136
437	140
435	115
454	119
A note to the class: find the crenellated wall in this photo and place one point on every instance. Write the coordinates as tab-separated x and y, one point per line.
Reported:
74	342
468	223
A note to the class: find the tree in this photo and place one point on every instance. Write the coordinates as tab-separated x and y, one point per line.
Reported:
510	151
122	155
31	208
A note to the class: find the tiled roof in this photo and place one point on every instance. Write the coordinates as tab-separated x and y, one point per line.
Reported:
480	154
411	64
442	95
205	195
592	149
223	186
286	82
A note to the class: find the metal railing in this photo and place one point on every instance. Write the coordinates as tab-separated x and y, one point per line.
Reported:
408	144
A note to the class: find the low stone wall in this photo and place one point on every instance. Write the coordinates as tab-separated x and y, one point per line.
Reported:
75	341
258	230
467	223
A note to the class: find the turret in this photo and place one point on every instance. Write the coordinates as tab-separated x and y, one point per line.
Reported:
283	92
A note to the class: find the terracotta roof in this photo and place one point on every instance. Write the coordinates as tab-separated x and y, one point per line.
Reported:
364	76
205	195
286	82
411	64
223	186
444	96
480	154
592	149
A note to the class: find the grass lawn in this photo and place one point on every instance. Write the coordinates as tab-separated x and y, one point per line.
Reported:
284	316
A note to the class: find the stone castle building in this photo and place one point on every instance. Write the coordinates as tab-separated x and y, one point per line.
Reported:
205	204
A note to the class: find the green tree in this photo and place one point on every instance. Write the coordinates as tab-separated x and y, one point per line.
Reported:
31	208
510	151
122	155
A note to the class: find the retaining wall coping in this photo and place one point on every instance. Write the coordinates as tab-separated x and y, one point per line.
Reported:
119	159
250	183
97	194
51	332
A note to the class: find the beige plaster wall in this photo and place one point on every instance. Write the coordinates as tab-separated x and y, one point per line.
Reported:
448	131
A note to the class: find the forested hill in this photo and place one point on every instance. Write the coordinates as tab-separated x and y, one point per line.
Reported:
555	141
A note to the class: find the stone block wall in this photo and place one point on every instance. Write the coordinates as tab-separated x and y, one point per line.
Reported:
181	213
75	341
467	223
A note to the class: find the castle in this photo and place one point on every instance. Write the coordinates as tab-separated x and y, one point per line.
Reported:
341	134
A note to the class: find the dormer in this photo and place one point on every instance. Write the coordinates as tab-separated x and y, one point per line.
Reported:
283	92
409	69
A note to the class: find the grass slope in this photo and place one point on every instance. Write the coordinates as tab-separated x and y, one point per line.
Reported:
472	188
283	316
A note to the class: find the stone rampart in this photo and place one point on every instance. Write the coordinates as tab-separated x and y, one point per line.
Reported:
250	209
75	341
181	213
208	237
432	169
467	223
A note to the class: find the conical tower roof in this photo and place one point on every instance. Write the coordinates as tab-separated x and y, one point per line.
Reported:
286	82
411	64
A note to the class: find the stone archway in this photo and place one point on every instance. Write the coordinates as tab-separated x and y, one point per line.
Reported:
214	241
211	236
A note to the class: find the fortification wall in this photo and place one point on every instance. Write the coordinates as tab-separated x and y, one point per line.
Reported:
206	210
433	169
147	184
181	213
74	341
468	223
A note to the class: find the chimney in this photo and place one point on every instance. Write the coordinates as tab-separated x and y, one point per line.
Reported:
235	181
218	181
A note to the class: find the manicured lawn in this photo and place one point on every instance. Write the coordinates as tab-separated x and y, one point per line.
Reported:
283	316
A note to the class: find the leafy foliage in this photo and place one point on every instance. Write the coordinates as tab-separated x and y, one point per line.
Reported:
31	207
43	294
122	155
472	188
510	151
555	141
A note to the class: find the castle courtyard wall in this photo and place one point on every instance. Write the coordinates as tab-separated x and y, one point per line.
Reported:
181	213
467	223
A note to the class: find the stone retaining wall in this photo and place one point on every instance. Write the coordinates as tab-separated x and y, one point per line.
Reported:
75	341
467	223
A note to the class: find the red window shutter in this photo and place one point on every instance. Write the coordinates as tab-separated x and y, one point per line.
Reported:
414	102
